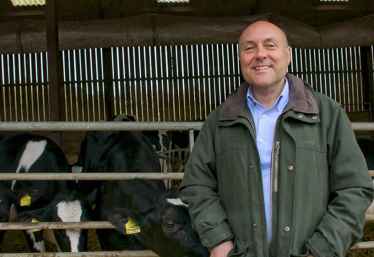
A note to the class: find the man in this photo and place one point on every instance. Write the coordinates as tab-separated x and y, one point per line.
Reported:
276	170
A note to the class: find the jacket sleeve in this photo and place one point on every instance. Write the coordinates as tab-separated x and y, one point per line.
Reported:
351	191
199	190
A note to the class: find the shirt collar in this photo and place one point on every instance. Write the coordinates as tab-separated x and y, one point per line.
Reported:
280	103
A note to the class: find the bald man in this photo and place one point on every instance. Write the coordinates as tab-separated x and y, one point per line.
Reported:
276	170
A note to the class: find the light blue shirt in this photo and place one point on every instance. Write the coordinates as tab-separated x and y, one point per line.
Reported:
265	120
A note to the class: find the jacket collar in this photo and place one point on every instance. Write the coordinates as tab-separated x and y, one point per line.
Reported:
301	99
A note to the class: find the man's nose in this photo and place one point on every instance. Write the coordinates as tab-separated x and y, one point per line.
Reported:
260	52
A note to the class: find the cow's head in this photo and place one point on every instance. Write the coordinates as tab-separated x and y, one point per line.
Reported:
165	228
65	207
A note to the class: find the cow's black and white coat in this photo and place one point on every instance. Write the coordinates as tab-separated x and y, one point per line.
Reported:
129	151
26	153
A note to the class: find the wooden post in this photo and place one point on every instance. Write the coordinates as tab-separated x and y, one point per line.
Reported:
367	77
53	67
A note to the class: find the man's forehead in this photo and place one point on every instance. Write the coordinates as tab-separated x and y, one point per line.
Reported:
262	30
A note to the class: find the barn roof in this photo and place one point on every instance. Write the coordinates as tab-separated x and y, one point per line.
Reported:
106	23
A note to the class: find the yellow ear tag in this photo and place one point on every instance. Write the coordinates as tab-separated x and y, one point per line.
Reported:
93	206
132	228
25	200
35	229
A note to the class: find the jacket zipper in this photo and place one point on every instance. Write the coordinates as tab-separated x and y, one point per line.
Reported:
276	166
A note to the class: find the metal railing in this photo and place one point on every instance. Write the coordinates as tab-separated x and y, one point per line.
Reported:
111	126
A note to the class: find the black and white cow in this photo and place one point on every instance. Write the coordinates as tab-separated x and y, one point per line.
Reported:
65	207
129	151
163	226
26	153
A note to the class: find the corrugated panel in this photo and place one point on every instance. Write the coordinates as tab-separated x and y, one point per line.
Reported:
24	93
336	73
167	83
173	83
83	78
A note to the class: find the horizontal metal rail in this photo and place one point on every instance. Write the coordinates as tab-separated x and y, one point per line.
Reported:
145	253
102	126
129	126
89	176
55	225
75	225
95	176
110	126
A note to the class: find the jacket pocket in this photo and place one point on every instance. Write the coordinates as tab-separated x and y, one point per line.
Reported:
238	251
302	252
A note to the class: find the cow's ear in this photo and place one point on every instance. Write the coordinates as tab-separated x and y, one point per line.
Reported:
38	215
26	196
119	218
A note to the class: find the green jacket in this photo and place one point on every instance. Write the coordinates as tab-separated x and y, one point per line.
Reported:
321	187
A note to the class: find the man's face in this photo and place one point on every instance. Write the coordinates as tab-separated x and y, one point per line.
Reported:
264	55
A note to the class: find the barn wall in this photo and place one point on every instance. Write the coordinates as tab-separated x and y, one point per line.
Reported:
166	83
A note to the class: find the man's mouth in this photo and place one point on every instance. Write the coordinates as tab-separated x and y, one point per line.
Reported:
262	68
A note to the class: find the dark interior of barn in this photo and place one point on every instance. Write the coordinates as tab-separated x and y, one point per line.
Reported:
85	61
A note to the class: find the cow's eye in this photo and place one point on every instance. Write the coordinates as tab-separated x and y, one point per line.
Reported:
170	225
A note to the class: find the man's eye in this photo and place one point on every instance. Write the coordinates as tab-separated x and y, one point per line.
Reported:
248	48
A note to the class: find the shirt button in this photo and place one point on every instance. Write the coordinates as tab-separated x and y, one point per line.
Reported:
300	115
290	167
314	117
264	115
287	229
251	167
261	140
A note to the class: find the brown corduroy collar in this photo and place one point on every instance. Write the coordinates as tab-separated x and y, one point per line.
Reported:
301	99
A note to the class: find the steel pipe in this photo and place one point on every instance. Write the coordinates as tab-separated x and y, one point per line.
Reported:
127	126
102	126
55	225
74	225
144	253
89	176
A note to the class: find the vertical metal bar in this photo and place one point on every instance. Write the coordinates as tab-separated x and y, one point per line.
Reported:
125	80
204	80
20	85
26	82
13	76
85	63
170	104
161	89
64	78
188	92
219	76
156	80
86	75
101	88
182	78
327	69
191	137
194	81
197	81
356	79
224	57
135	86
208	68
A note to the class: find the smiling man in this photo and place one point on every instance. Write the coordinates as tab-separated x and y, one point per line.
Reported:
276	170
